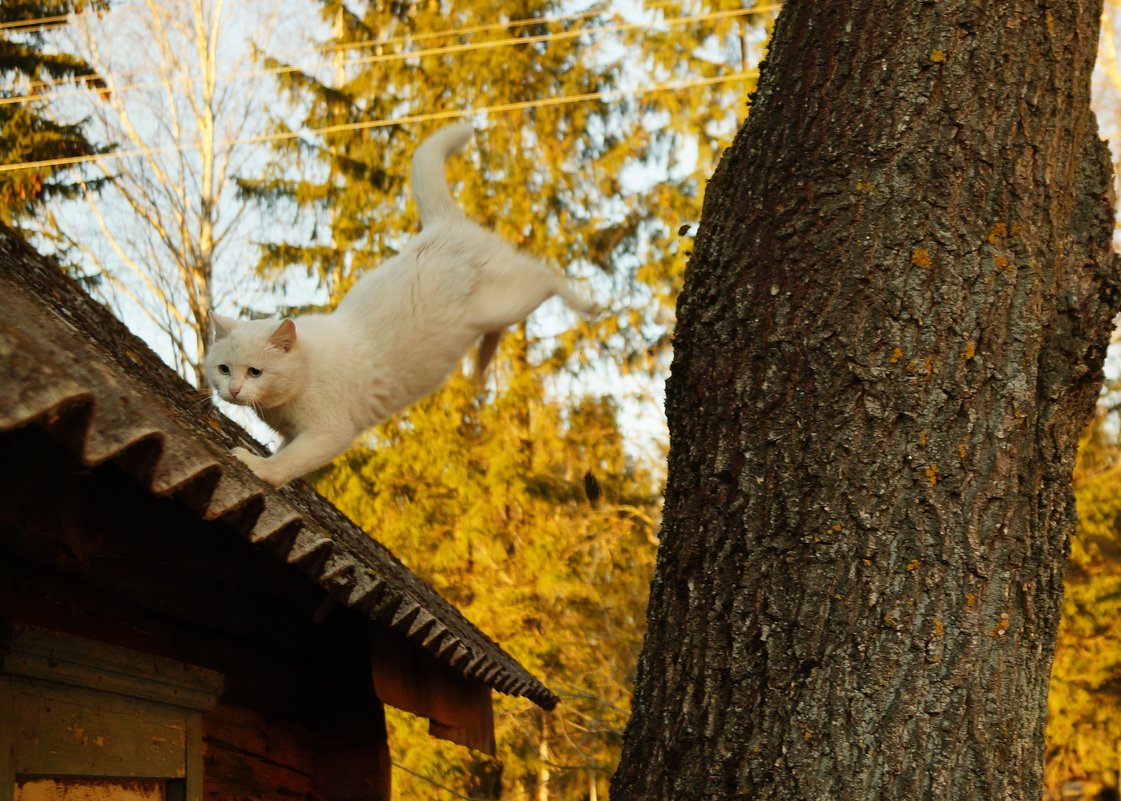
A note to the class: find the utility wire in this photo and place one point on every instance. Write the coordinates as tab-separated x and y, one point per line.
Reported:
411	37
383	123
60	20
38	23
46	23
489	26
547	37
404	55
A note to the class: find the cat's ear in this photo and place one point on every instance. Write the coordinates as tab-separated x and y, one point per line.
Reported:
284	337
220	326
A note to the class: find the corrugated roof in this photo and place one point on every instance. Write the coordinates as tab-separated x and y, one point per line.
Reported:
69	366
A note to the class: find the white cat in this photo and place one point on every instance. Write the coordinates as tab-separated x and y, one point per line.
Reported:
323	379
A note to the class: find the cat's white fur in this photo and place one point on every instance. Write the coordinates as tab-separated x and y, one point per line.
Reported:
322	379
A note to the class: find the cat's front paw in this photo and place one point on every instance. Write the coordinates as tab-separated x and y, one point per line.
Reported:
246	456
260	465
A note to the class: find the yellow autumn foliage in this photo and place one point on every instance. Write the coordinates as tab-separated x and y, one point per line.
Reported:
483	495
1084	705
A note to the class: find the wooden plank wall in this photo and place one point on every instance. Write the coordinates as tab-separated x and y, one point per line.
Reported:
91	553
248	756
458	709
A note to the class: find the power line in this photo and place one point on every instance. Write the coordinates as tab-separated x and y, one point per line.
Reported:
382	58
548	37
446	49
383	123
413	37
55	21
21	25
60	20
488	26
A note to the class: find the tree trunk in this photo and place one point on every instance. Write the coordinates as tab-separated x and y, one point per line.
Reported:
890	337
544	775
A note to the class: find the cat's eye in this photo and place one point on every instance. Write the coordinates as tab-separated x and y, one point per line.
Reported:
224	369
254	372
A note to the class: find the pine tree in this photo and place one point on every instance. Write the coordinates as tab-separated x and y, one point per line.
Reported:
708	40
1084	704
487	501
29	130
483	495
533	161
559	180
487	495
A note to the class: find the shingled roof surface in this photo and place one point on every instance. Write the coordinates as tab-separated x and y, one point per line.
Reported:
69	366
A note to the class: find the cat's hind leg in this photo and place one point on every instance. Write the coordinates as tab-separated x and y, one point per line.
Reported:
488	344
575	299
509	290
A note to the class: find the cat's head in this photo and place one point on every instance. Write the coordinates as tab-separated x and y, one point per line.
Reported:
254	362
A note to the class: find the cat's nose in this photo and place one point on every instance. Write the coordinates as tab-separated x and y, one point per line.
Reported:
234	391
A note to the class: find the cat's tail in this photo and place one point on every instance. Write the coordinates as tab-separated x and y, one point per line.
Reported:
430	183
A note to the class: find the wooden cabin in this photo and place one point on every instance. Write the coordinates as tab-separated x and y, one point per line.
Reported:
171	627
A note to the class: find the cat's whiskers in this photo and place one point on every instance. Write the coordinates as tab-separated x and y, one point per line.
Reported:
201	402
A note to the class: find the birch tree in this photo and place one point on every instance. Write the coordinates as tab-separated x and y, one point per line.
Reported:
167	236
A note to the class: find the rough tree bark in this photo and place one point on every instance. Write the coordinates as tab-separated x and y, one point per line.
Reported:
890	337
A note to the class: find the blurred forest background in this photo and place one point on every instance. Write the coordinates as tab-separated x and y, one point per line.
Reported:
252	156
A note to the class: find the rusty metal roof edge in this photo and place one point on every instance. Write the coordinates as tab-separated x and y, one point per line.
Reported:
295	524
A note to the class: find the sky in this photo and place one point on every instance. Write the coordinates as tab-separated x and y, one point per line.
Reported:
291	28
155	107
